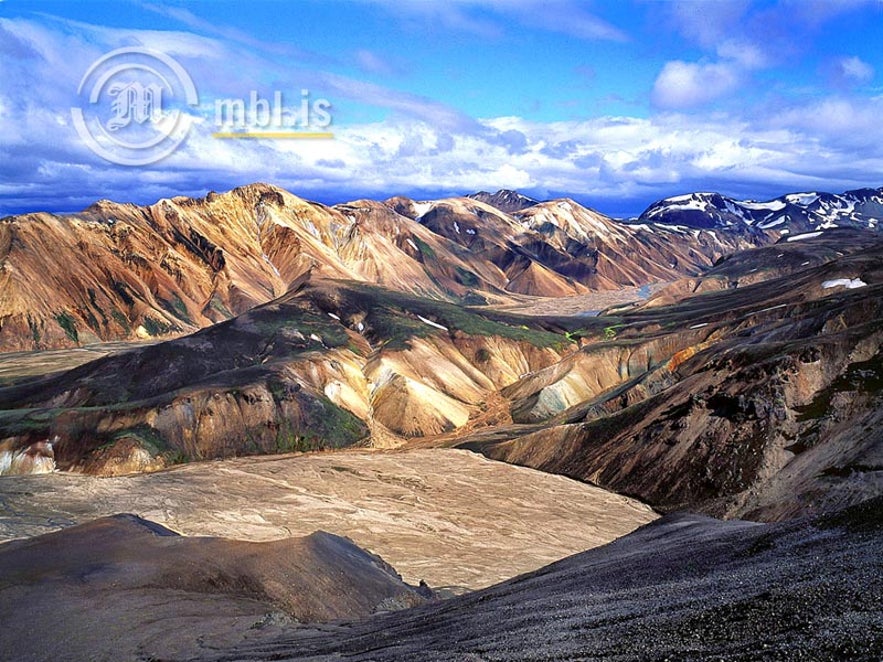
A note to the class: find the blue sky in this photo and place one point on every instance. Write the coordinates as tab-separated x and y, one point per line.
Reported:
616	104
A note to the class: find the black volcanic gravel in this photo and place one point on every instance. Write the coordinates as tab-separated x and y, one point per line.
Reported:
684	588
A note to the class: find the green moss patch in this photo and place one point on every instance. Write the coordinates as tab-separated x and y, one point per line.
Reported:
66	322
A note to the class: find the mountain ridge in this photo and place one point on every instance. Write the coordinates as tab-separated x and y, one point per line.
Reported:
118	271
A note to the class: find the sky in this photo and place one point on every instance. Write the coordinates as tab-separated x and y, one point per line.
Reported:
615	104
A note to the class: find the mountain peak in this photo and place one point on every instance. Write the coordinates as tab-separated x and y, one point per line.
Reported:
505	200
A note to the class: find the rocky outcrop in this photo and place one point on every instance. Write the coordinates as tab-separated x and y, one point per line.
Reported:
504	200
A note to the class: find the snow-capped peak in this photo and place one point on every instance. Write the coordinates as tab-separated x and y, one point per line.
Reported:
794	212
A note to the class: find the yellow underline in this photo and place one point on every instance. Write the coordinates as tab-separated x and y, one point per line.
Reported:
275	135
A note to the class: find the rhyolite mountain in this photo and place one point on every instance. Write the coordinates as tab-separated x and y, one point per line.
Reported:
560	248
749	386
120	271
329	364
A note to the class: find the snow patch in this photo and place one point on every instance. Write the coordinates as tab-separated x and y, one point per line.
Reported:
766	225
421	209
804	199
267	259
805	235
772	205
312	229
680	203
431	323
699	326
848	283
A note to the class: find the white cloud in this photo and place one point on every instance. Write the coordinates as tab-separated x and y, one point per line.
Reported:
855	69
744	53
409	105
688	84
565	18
603	160
709	23
816	13
370	62
230	34
568	17
609	158
731	33
838	120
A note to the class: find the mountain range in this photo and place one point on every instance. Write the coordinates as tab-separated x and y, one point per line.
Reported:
124	272
714	394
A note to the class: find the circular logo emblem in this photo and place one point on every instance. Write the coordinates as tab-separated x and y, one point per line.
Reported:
132	103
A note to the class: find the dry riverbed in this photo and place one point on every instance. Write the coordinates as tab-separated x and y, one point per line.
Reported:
449	517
